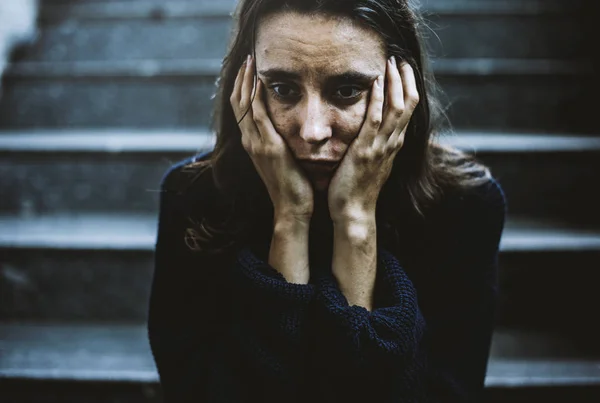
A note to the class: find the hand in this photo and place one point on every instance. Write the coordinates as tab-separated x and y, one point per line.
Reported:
367	164
290	191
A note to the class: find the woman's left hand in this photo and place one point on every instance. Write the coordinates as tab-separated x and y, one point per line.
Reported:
367	164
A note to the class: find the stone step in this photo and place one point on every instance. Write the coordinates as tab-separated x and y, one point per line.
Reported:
551	290
545	95
153	30
51	171
131	232
77	359
99	268
122	141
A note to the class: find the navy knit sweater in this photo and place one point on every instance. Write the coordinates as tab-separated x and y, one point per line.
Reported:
230	328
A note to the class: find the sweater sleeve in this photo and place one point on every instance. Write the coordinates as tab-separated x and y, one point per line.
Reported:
270	320
396	352
222	327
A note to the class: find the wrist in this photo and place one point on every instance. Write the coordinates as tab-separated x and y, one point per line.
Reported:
289	222
355	216
289	249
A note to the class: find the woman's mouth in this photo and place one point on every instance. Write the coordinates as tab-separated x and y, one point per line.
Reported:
319	167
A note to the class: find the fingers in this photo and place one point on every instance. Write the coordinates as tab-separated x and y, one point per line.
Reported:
247	100
236	94
411	93
370	128
411	100
241	104
248	84
395	99
261	118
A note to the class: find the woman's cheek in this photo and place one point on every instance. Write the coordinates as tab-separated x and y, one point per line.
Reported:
282	119
351	121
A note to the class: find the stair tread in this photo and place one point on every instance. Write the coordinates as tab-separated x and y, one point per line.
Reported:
170	140
120	352
138	231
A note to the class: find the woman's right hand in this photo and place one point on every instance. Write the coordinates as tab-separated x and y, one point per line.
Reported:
289	189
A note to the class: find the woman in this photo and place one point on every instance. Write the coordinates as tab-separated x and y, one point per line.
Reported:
327	249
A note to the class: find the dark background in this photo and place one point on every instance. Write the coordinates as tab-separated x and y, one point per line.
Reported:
109	93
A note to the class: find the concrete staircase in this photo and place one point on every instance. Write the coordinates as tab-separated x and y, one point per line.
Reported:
113	92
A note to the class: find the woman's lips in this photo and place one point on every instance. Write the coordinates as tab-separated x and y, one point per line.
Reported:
319	167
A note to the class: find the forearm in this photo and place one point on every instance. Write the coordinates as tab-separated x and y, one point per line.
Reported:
354	262
289	250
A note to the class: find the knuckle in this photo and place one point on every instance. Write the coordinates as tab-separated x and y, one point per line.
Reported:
398	111
375	121
248	148
245	143
380	152
258	116
363	157
413	99
270	151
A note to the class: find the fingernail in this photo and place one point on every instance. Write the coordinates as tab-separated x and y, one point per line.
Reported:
393	61
379	81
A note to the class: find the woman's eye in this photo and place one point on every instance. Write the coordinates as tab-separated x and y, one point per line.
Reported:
348	92
283	91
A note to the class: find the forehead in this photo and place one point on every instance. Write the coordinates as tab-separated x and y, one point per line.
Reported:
318	44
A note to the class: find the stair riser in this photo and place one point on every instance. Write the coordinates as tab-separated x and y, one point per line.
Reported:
115	286
538	185
518	37
130	40
459	36
548	185
107	103
551	292
79	183
75	285
554	103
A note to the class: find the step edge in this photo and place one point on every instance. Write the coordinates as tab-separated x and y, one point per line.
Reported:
151	376
143	240
195	141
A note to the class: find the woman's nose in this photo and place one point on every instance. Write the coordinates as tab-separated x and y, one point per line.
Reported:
315	124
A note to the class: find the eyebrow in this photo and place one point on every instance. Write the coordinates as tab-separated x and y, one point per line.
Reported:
348	76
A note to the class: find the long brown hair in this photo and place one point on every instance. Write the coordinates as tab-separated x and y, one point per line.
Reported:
422	171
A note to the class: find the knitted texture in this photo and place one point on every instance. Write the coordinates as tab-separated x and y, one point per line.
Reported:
230	328
392	331
268	281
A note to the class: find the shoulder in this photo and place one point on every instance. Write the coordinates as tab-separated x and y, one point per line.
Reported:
467	189
485	198
186	183
181	176
188	194
473	218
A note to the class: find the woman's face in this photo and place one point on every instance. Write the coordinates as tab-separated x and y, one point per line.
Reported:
317	71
